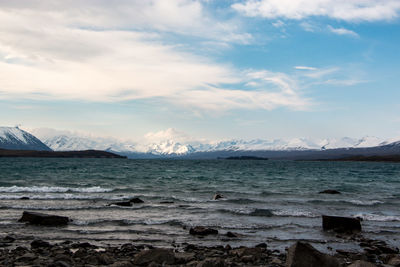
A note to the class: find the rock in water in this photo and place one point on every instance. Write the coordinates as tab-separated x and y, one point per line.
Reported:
304	255
200	230
341	224
329	191
136	200
360	263
157	255
217	196
43	219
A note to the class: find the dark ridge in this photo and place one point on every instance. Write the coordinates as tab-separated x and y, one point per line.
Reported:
59	154
388	158
246	158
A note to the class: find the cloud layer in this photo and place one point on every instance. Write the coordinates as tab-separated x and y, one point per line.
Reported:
354	10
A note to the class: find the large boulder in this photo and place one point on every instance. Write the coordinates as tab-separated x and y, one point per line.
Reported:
341	224
303	254
156	255
201	230
43	219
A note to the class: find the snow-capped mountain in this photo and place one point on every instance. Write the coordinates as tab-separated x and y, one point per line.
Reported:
171	147
18	139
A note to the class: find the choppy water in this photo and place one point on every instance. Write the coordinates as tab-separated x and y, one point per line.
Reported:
266	201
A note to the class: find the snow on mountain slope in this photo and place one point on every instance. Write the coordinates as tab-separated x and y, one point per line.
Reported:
18	139
168	145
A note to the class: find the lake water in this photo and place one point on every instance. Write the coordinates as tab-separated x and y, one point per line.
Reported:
266	201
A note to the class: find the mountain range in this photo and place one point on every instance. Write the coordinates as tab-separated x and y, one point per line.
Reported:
16	138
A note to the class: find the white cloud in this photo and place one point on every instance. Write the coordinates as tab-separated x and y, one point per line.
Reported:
343	31
97	53
354	10
304	68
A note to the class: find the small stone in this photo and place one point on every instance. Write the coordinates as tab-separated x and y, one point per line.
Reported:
157	255
122	264
360	263
395	261
230	234
40	244
261	245
329	191
217	196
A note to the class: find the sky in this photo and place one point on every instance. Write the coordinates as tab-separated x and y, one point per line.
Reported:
209	69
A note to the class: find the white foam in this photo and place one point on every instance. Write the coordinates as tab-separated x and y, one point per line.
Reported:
53	189
366	202
295	213
378	217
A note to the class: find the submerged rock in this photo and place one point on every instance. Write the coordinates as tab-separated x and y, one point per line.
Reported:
201	230
231	234
217	196
157	255
43	219
40	244
304	255
136	200
24	198
341	224
329	191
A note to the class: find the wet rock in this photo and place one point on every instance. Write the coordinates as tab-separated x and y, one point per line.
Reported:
203	231
341	224
254	253
83	245
122	264
8	239
217	196
304	255
43	219
361	263
211	262
40	244
24	198
59	264
261	245
184	257
136	200
394	261
157	255
330	191
230	234
27	257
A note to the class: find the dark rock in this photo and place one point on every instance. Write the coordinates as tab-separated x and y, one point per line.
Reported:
24	198
341	224
43	219
27	257
360	263
329	191
184	257
217	196
157	255
122	264
8	239
230	234
40	244
59	264
136	200
254	253
211	262
200	230
394	261
122	203
304	255
261	245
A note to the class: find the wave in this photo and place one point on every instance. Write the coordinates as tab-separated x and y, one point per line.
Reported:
378	217
53	189
270	213
172	222
65	196
295	213
347	202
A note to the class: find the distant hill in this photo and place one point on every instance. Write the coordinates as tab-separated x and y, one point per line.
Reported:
58	154
17	139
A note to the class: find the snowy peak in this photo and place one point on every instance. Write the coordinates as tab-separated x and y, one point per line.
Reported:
170	148
17	139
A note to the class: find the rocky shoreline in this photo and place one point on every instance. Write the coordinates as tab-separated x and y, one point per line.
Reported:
300	254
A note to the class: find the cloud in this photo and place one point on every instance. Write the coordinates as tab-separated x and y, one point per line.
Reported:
355	10
343	31
304	68
89	52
